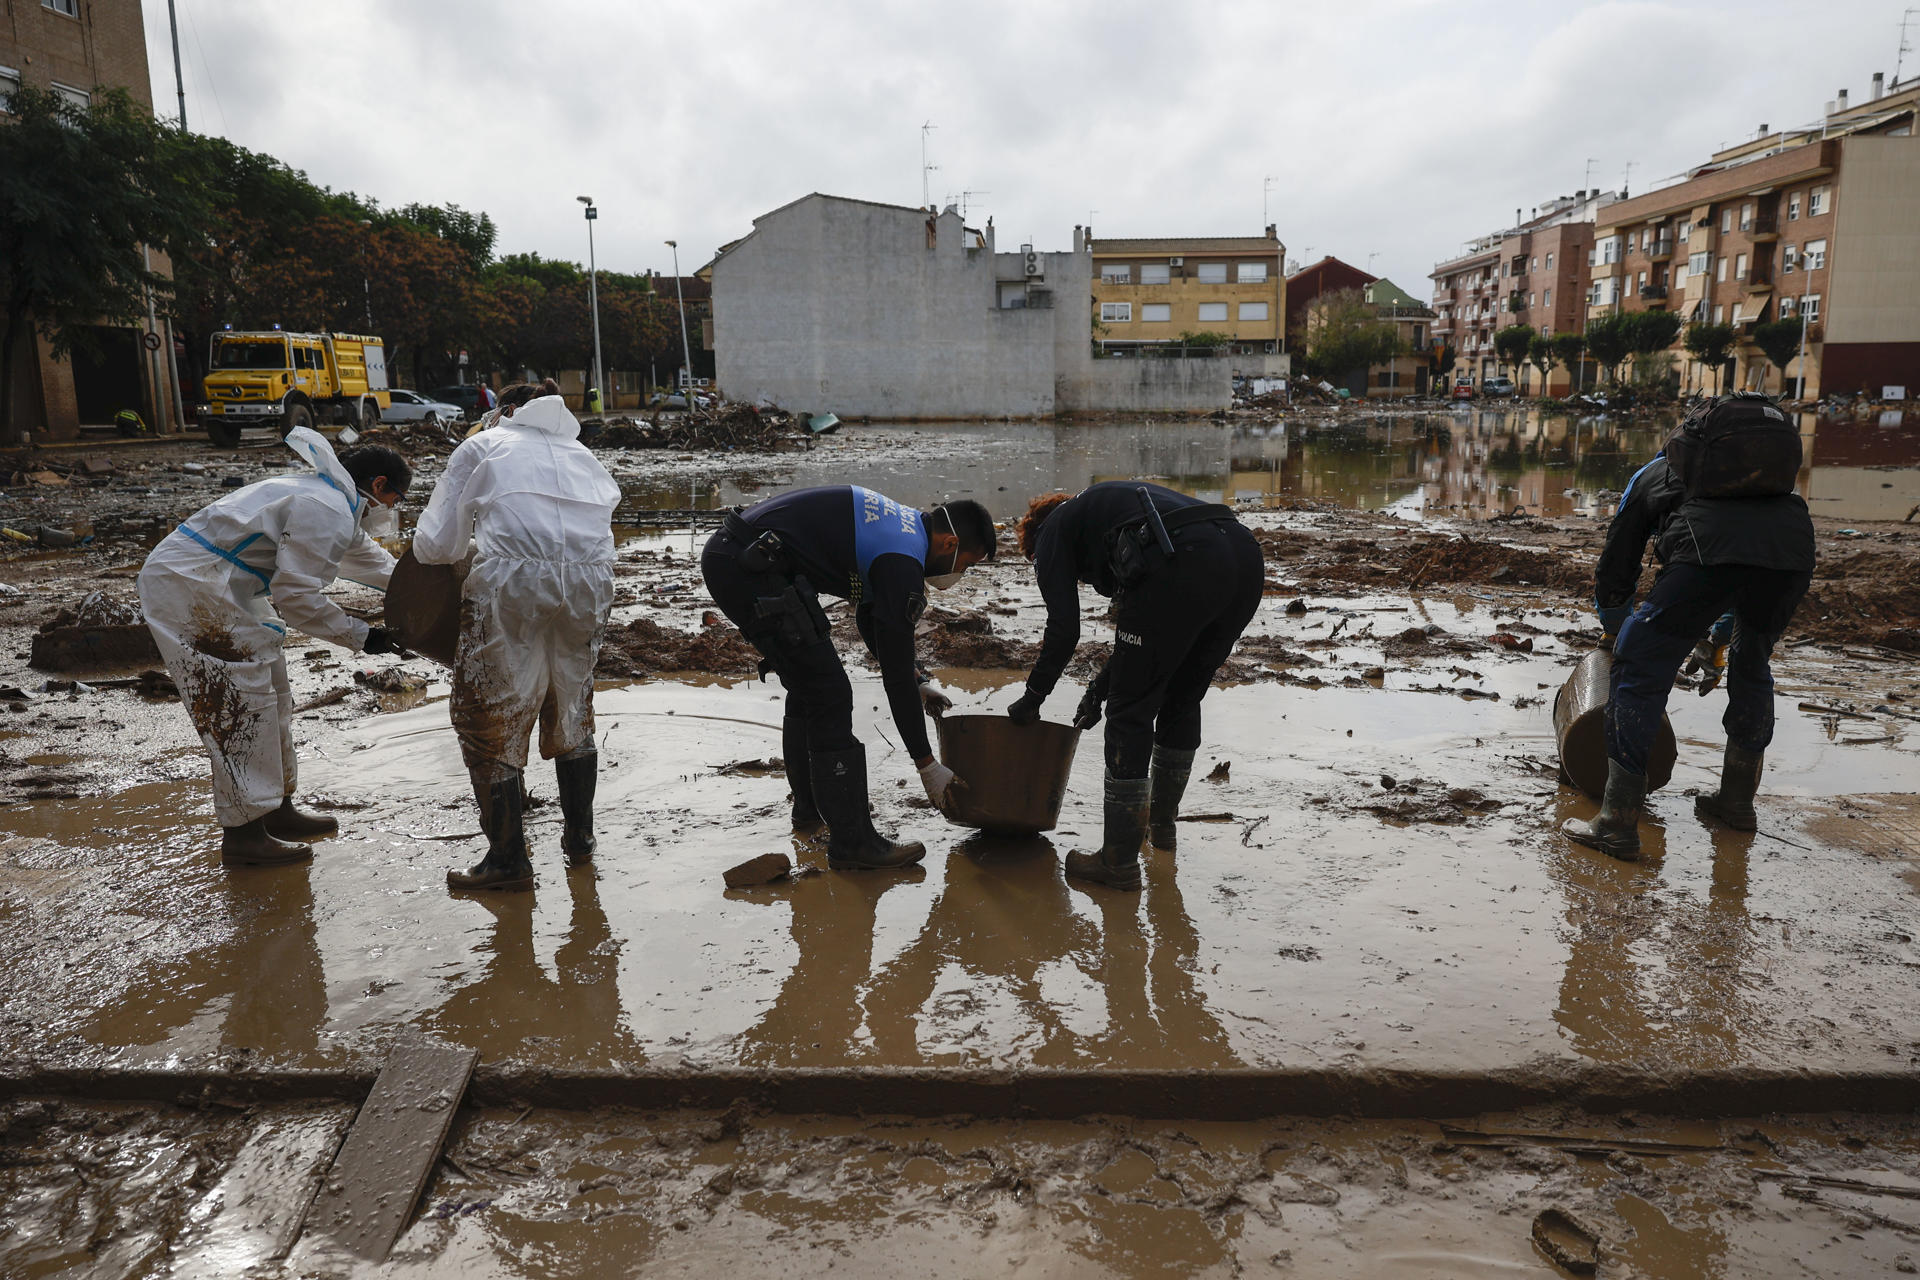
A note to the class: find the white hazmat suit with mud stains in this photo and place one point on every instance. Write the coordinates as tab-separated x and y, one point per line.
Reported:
537	507
219	594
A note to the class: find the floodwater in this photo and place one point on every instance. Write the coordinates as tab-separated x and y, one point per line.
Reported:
1466	461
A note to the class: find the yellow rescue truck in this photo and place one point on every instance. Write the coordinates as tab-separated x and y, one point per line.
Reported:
267	378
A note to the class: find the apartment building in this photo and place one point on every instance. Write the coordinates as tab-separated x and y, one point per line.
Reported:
1815	223
1309	284
1148	292
76	48
1534	273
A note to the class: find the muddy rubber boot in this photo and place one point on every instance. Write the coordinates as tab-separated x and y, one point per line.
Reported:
505	866
252	845
288	823
1732	804
1116	863
1615	830
577	777
840	789
793	749
1171	769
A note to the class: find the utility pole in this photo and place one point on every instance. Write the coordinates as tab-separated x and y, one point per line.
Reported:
1800	382
180	85
593	297
926	170
686	348
366	280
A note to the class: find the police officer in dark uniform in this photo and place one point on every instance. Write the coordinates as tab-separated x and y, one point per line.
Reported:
1186	578
765	569
1751	556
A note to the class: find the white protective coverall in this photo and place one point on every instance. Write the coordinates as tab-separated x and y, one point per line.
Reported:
220	592
538	507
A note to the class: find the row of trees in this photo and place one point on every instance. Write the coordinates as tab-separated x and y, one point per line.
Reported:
1642	337
252	243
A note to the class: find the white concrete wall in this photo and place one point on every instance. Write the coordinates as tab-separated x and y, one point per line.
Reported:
1139	385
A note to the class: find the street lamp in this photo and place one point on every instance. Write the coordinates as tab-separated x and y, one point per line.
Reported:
366	282
686	349
593	294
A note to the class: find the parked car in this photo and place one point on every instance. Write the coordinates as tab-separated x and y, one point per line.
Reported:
465	395
411	406
1498	386
1463	391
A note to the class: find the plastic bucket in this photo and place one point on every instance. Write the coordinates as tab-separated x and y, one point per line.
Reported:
423	605
1016	775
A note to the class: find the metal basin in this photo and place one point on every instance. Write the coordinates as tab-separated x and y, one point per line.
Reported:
1016	775
423	605
1580	728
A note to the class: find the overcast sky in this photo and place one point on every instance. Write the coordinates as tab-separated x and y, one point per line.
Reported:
1392	127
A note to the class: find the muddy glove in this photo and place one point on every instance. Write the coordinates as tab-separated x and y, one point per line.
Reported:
1027	709
1708	661
1087	714
943	785
1613	617
382	640
933	702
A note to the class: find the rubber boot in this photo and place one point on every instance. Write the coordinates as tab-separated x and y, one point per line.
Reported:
840	789
1116	863
576	776
1615	830
506	866
793	748
252	845
1732	804
288	823
1171	769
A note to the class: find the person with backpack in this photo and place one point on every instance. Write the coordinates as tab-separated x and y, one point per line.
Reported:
1732	536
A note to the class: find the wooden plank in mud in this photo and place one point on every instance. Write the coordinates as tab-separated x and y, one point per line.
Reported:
368	1196
254	1212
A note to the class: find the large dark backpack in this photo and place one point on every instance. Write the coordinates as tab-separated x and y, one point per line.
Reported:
1737	446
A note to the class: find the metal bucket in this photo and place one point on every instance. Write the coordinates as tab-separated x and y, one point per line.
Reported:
1580	728
1016	774
423	605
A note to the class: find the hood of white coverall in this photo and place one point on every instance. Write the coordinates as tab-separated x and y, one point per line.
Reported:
312	448
549	414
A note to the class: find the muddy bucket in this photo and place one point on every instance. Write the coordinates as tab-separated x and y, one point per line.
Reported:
1016	774
423	605
1580	727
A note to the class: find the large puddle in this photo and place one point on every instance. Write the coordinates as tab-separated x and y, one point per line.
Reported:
1468	461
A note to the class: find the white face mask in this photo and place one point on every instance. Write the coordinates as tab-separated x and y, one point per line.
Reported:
377	520
942	581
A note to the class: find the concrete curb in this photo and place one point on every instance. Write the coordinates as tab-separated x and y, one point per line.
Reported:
1236	1094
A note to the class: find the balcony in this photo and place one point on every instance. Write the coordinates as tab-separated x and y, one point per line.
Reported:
1765	230
1654	295
1660	250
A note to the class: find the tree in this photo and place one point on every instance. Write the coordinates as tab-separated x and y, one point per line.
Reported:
82	192
1569	349
1444	359
1540	355
1607	343
1779	342
1651	332
1345	333
1511	344
1711	344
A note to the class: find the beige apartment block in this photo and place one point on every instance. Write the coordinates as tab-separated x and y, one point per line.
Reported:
1147	292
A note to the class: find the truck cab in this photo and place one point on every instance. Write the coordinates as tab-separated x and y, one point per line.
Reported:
283	380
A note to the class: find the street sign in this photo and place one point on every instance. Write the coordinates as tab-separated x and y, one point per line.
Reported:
150	340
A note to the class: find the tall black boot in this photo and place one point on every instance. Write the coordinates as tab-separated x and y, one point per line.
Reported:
1117	861
252	845
1615	830
289	823
1732	804
793	751
576	777
1171	769
840	789
501	805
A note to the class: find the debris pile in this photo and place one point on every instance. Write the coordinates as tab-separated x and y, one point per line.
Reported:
99	633
724	426
643	647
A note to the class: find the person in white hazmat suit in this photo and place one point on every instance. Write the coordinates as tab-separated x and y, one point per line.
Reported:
219	593
537	509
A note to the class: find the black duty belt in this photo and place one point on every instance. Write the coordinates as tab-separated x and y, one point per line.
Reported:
1207	514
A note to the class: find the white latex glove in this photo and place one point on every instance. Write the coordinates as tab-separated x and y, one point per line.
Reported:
943	785
933	702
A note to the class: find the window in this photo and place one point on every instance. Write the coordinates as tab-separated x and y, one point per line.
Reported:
1740	267
1549	262
1793	206
1214	310
1529	299
1817	201
1546	299
1253	311
1633	238
1155	273
1789	259
1253	273
1116	313
1534	263
1116	275
1155	312
1719	315
1608	250
1736	313
1789	305
1815	254
1726	221
1643	280
1746	216
69	7
1720	270
74	97
1213	273
9	82
1810	307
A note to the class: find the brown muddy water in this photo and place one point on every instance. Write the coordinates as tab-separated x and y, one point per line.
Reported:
1467	461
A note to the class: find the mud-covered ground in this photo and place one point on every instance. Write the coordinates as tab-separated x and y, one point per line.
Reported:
1368	881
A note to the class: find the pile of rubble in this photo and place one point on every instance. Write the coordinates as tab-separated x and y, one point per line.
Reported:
757	428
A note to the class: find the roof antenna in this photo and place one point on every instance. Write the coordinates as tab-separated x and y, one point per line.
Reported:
1266	186
926	170
1905	48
